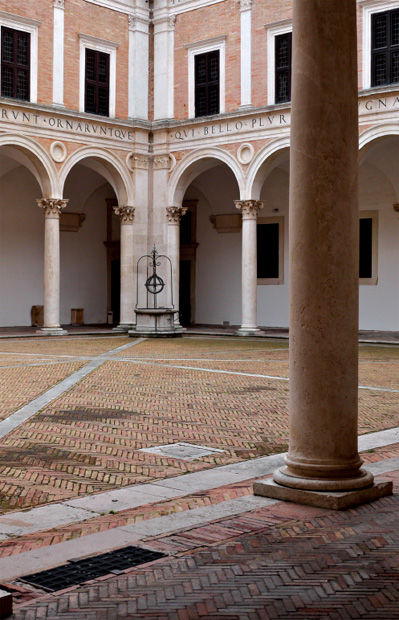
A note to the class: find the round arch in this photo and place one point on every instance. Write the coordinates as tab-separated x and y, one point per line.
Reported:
262	165
107	165
34	157
193	165
368	137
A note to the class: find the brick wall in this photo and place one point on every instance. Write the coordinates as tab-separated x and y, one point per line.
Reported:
195	26
86	18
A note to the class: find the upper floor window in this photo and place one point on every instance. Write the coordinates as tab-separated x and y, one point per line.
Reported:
15	64
283	64
97	86
207	75
279	61
97	82
385	48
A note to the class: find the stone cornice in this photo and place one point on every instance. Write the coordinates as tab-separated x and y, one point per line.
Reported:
27	21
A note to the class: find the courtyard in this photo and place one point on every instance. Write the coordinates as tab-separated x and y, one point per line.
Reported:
226	394
88	428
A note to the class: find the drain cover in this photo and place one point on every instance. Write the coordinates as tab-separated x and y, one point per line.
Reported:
181	450
79	571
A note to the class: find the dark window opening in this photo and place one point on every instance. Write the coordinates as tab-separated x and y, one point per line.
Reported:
268	242
15	64
385	48
97	83
366	247
283	62
207	70
185	228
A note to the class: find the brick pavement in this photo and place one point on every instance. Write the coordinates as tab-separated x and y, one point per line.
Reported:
282	561
87	440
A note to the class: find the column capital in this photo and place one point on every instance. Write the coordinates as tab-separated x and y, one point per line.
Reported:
174	214
249	208
59	4
52	206
245	5
126	214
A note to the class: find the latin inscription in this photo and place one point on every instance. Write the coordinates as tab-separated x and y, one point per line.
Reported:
62	124
274	120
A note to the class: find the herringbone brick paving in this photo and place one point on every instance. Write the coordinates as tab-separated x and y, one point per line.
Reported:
282	561
87	440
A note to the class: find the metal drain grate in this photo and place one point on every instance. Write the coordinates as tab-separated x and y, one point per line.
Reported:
79	571
181	450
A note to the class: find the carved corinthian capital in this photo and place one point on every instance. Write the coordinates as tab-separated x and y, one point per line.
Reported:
52	206
126	214
174	214
249	208
245	5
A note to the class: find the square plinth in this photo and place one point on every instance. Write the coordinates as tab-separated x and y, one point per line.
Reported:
334	500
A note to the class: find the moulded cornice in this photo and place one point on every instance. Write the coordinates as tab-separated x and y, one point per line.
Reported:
182	6
115	5
19	19
88	38
206	42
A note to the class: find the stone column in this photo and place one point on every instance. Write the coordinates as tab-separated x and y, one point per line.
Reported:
323	464
52	209
249	279
174	215
127	318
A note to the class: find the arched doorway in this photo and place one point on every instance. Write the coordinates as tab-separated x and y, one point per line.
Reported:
24	178
379	233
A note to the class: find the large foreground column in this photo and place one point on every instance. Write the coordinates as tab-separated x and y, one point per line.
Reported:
324	264
127	316
174	215
52	209
249	277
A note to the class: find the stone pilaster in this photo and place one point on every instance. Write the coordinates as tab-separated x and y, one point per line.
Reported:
249	210
127	316
245	52
174	215
52	208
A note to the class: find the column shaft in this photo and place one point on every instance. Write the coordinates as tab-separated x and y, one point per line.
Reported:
127	299
52	209
324	266
174	215
249	278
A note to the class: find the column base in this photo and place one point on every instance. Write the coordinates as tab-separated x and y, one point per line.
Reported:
123	327
52	331
333	500
248	331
